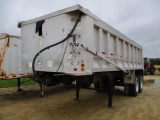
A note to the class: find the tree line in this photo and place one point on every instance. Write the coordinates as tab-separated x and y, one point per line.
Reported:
155	61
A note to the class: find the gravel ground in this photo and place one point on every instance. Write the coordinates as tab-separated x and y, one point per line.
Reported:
59	103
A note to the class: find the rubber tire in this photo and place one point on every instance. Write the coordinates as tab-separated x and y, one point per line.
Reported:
151	70
134	88
85	84
68	82
96	86
86	81
126	89
140	80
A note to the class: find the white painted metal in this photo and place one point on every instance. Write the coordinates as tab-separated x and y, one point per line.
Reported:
10	56
91	31
104	58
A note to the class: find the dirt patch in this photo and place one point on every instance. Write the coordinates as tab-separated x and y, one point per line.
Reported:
153	77
59	104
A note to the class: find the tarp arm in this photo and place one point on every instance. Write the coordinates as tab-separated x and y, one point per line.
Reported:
105	59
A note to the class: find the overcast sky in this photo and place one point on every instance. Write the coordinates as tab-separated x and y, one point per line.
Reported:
137	19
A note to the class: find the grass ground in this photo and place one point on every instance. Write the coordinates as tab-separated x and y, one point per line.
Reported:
13	82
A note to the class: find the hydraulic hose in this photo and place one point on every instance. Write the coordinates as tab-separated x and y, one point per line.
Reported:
55	44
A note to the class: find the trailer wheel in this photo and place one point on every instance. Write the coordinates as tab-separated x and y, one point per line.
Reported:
140	80
86	81
85	84
67	82
126	89
134	88
96	86
152	70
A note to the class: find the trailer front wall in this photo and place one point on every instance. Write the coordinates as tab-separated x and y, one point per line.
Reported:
54	29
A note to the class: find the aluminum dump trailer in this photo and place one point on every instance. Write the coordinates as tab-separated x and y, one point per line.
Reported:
91	51
10	56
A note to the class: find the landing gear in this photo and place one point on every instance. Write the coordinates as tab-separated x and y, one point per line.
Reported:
105	84
19	85
110	92
42	87
77	89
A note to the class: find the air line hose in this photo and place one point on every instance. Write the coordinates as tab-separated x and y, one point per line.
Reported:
55	44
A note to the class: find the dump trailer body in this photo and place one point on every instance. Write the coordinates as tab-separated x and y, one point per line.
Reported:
91	32
10	56
94	53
